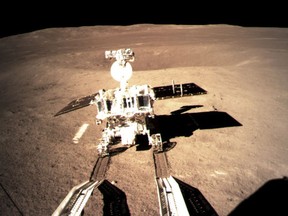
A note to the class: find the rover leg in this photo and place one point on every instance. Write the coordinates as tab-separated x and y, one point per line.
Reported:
102	149
156	141
104	143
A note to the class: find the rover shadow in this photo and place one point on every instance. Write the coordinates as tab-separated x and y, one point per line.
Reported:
167	146
269	199
115	202
179	125
214	119
185	108
117	150
142	143
195	201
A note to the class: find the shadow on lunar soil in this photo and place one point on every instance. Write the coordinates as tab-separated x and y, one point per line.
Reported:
177	125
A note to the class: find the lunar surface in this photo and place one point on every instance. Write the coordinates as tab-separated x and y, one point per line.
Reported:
238	151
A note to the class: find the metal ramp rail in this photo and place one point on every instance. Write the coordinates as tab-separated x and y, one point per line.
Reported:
75	201
171	201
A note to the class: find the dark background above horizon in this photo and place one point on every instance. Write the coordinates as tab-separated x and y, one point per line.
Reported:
21	18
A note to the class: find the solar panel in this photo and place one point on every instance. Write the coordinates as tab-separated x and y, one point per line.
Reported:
77	104
178	90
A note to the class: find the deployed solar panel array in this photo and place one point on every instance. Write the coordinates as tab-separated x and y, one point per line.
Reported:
77	104
178	90
161	92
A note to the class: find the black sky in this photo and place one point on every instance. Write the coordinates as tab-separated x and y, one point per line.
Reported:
16	18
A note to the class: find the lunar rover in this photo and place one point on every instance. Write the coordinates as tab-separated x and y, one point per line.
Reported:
126	113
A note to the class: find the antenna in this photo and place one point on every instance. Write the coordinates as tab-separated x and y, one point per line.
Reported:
121	69
121	73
